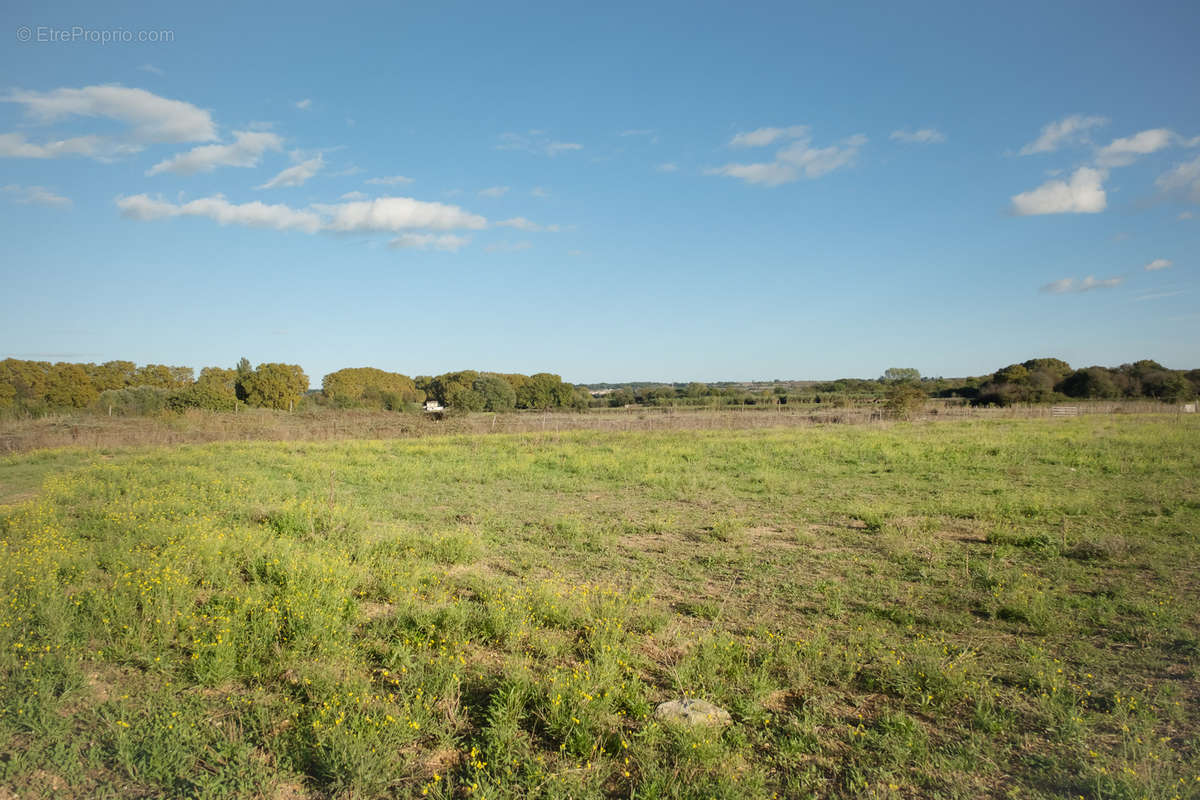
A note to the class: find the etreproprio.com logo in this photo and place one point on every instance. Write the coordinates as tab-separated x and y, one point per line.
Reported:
80	34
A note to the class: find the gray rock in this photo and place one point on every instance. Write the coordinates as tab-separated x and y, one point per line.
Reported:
691	711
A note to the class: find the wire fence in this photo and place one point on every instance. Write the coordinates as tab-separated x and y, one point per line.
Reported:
195	427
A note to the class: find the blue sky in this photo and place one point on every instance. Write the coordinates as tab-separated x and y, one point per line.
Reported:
694	191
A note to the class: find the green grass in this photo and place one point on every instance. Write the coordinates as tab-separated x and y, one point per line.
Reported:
976	609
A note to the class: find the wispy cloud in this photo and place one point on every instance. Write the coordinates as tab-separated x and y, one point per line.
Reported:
1122	152
540	192
1157	264
507	247
637	132
669	166
150	118
765	136
1068	285
15	145
353	196
303	105
36	196
220	210
922	136
396	214
1082	194
522	224
447	242
493	191
246	150
296	175
536	141
1066	131
389	180
1181	182
153	70
797	160
1157	295
382	215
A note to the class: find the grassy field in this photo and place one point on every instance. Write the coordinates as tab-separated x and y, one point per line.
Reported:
979	608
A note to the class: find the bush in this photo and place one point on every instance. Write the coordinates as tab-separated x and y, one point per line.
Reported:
904	400
137	401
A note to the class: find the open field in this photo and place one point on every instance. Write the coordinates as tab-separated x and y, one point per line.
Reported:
986	607
18	435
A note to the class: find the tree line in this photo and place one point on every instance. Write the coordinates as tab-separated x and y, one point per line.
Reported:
122	387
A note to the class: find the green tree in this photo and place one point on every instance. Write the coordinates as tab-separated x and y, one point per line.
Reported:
1013	373
278	386
1091	382
464	398
498	394
449	384
68	386
905	399
214	390
112	374
900	374
156	375
370	387
27	378
621	397
539	391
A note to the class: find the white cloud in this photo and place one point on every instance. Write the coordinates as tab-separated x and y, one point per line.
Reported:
152	69
797	160
36	196
540	192
1068	130
670	166
535	141
1185	215
522	224
507	247
1158	295
772	174
256	214
815	162
245	151
1182	181
390	180
353	196
1067	285
394	214
430	241
296	175
303	105
554	148
1157	264
765	136
419	224
152	118
922	136
637	132
1122	152
493	191
15	145
1083	194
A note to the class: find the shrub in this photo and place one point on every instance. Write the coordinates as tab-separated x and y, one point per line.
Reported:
904	400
